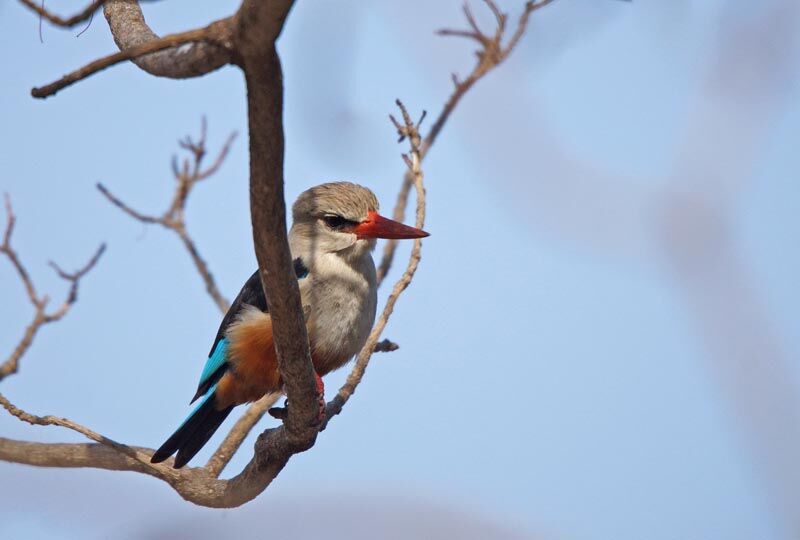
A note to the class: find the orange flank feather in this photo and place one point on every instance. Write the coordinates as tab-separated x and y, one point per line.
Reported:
254	365
253	362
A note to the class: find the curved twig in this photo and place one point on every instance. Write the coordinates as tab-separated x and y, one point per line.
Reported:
491	53
407	130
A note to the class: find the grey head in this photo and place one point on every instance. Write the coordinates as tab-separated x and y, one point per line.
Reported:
342	218
326	218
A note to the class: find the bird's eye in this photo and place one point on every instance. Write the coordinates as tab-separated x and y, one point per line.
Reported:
337	223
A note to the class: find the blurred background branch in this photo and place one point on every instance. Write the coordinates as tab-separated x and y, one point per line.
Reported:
187	175
490	54
39	302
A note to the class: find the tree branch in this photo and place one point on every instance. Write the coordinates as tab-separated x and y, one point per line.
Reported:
407	130
490	54
255	40
39	303
140	456
234	439
129	29
68	22
187	176
215	33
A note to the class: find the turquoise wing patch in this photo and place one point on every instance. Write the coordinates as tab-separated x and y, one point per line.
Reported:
215	368
215	361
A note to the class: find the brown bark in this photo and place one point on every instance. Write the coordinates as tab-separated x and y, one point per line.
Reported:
129	29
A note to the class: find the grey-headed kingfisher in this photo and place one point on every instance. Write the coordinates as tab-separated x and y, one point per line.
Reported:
334	230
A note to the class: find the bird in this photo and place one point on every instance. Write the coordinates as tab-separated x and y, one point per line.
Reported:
334	230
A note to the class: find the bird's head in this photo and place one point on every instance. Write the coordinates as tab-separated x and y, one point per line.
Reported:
342	216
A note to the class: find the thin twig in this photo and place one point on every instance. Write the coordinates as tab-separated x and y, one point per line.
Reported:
125	208
491	53
88	24
65	22
74	279
406	129
39	303
6	248
187	175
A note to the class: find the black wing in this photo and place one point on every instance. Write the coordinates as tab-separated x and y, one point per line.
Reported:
252	294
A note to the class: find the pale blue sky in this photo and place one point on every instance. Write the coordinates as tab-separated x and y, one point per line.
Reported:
553	379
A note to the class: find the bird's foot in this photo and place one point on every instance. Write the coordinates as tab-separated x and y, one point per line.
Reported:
281	413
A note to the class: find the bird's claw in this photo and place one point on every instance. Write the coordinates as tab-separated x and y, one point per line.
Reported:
281	413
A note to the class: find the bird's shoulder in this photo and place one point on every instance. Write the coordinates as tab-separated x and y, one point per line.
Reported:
251	294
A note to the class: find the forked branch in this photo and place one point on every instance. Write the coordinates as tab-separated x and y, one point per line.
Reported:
490	54
39	302
187	175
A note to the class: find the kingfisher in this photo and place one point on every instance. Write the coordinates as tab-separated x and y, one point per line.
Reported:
334	231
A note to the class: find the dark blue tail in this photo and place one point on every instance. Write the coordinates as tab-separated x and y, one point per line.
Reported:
194	433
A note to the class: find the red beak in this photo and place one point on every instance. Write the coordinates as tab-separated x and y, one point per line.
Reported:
377	226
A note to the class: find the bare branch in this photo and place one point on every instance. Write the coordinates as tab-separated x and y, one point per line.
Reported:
66	455
173	218
407	130
234	439
193	484
256	43
187	175
530	7
39	303
213	34
6	248
490	55
65	22
74	279
63	422
258	25
129	29
125	208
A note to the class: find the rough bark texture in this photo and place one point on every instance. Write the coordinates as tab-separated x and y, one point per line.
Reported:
129	29
258	26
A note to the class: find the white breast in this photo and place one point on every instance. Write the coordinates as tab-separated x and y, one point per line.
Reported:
342	299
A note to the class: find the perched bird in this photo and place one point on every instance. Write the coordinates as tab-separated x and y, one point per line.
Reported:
334	231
